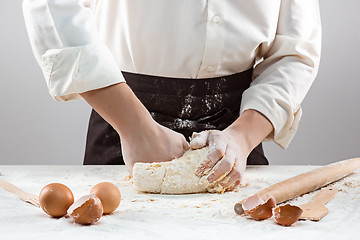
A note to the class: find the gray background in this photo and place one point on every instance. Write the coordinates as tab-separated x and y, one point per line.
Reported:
34	129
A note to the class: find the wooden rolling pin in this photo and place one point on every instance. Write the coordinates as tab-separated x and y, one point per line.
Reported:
309	181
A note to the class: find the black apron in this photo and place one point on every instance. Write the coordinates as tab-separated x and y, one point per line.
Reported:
183	105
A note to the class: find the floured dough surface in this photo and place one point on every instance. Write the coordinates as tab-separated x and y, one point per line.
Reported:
174	177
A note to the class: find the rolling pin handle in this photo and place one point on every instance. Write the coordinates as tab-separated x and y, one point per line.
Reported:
238	209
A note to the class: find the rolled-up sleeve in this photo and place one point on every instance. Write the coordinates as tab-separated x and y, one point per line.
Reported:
65	42
289	67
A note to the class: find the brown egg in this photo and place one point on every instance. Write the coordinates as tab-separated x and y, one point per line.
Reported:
287	214
109	195
55	199
87	210
257	208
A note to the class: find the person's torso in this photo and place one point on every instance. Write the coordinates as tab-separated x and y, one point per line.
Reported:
187	38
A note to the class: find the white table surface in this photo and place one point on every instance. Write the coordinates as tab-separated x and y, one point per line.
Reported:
152	216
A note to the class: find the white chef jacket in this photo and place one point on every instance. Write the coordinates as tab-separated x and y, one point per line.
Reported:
84	45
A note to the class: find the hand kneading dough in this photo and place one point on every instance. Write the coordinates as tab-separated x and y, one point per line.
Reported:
176	176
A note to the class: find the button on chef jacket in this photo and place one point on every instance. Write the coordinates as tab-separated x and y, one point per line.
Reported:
84	45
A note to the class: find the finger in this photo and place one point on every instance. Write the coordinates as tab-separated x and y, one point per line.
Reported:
223	167
234	186
217	146
199	140
203	168
235	176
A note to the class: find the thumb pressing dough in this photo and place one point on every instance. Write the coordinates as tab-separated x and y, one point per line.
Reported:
175	177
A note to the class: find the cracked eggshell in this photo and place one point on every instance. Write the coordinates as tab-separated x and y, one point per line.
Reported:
55	199
87	210
257	208
287	215
108	194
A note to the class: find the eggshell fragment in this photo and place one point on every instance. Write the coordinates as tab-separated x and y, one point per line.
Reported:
109	196
55	199
287	215
257	208
87	210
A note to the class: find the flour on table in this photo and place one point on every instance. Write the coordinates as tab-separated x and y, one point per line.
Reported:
175	177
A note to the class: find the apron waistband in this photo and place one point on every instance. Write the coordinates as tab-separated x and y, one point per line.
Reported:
187	86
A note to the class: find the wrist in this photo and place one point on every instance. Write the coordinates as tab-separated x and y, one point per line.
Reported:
136	119
240	137
139	130
250	129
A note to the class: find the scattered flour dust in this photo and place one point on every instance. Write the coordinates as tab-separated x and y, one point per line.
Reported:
187	105
183	123
155	216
